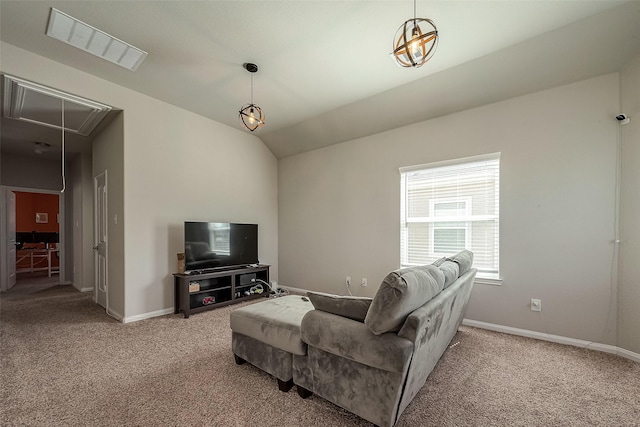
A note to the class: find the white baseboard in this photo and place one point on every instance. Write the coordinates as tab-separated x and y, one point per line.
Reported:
114	314
86	289
149	315
629	354
606	348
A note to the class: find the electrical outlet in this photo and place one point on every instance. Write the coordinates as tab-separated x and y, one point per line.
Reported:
363	282
536	304
347	281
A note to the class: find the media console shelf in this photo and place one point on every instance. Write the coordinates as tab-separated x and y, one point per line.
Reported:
211	289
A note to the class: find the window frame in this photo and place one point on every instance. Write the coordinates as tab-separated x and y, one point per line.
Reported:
488	276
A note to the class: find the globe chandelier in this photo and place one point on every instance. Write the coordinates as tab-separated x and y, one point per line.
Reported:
250	114
415	42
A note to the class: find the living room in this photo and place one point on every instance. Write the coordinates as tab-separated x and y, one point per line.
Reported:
335	211
569	131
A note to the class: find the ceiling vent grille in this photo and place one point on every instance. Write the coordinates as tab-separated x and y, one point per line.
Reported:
34	103
83	36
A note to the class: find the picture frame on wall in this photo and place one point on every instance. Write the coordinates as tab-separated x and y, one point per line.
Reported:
42	218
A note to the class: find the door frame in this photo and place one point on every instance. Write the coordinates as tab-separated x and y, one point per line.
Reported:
10	246
4	237
96	225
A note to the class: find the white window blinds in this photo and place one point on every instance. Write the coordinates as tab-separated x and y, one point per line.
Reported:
450	206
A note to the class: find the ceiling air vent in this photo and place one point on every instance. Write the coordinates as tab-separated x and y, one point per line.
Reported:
33	103
83	36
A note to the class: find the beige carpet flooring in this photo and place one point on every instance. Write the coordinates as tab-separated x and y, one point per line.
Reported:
64	362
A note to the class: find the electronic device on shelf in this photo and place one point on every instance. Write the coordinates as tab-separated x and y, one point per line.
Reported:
213	246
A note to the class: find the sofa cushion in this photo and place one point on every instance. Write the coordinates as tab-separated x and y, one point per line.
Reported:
401	292
346	306
450	270
464	259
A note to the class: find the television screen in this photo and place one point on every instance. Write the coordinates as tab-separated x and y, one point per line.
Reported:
219	244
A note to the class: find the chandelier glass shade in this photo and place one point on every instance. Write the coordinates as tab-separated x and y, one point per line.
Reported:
250	114
415	42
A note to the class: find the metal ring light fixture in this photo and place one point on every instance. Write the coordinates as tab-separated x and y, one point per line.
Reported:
250	114
415	41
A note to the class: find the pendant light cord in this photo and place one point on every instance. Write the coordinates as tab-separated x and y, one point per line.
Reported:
64	183
251	88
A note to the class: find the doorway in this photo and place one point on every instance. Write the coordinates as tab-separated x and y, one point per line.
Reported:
36	228
31	160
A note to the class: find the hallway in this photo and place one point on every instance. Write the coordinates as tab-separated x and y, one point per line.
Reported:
31	283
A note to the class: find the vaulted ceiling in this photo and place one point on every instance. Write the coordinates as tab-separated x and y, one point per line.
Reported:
325	75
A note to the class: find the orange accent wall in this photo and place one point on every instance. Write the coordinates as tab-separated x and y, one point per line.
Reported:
28	204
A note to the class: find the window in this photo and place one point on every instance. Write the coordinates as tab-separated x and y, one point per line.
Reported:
450	206
448	236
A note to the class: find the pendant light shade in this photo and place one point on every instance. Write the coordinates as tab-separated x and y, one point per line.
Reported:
252	117
250	114
415	42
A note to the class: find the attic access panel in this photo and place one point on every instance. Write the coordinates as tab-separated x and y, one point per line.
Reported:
34	103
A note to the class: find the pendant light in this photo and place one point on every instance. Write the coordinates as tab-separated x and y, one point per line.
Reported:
415	41
40	147
250	114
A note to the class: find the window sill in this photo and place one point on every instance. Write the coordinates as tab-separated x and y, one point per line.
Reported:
486	281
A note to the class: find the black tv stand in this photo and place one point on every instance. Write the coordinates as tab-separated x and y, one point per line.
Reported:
217	269
202	289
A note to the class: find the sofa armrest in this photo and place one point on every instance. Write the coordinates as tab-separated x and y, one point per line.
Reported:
352	340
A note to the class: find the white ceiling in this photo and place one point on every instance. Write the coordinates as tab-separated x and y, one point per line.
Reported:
325	73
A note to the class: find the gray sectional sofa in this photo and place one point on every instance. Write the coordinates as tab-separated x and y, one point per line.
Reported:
369	356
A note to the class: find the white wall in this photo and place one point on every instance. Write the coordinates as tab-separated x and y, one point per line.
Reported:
80	179
30	172
196	169
629	275
177	166
339	209
86	225
108	158
74	173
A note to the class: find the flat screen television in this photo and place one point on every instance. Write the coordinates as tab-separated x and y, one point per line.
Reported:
213	245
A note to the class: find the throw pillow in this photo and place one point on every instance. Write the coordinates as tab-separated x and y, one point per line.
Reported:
400	293
346	306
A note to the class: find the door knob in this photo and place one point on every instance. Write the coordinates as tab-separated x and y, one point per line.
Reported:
95	248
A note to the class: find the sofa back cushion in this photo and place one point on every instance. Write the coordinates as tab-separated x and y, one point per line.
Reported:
450	270
346	306
464	259
401	292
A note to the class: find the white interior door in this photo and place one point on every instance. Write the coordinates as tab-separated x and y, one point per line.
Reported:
100	238
11	239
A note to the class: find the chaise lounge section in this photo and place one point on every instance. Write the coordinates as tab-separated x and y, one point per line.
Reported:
267	335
